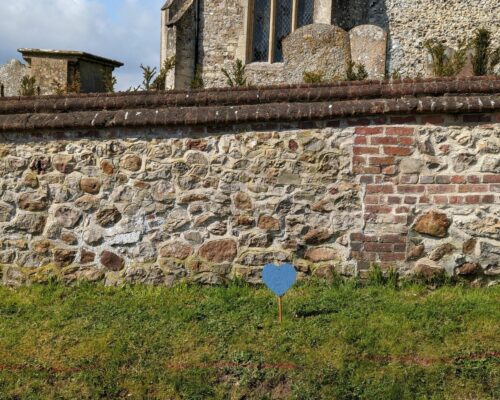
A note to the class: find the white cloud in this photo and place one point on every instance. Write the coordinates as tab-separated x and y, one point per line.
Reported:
125	30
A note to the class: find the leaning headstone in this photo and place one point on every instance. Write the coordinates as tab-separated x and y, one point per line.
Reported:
317	48
369	47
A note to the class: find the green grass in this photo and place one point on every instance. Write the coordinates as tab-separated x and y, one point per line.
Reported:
190	342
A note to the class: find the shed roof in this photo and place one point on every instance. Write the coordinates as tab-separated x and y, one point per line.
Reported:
27	53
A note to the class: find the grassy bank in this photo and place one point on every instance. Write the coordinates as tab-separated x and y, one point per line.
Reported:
189	342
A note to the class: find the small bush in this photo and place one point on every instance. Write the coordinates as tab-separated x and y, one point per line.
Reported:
444	64
28	86
197	81
161	79
356	72
314	77
237	77
484	59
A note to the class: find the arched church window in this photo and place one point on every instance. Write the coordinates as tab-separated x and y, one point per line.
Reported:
274	20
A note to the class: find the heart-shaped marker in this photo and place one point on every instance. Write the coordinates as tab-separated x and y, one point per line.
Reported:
279	278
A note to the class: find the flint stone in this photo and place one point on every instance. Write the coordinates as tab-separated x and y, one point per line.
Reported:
108	216
269	223
242	201
433	224
469	246
428	269
469	269
87	202
176	249
90	185
64	163
260	258
87	256
439	252
93	236
218	251
321	254
369	47
68	216
317	236
64	257
6	212
107	167
33	202
30	223
112	261
321	48
131	162
124	238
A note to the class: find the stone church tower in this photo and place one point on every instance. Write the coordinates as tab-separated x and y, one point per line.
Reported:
272	37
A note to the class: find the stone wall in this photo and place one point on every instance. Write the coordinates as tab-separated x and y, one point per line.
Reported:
11	75
144	193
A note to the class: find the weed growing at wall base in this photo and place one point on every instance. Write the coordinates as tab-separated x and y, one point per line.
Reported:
338	341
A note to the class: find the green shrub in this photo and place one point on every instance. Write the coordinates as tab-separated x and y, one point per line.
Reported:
356	72
314	77
444	64
28	86
197	81
237	76
484	59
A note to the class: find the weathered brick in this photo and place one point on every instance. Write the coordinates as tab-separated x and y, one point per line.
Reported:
379	189
491	178
473	179
402	210
377	140
408	179
473	199
456	199
366	179
458	179
379	247
364	130
398	150
406	140
443	179
426	179
440	199
405	131
372	199
411	188
378	209
390	170
410	200
432	119
360	140
393	200
488	199
360	150
381	160
434	189
473	188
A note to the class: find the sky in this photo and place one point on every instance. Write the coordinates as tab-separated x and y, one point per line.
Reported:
124	30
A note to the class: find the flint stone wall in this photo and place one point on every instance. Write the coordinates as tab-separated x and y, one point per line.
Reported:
144	199
11	75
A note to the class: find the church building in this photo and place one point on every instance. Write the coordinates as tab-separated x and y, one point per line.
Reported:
279	40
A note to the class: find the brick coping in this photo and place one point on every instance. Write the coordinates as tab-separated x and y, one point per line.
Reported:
224	107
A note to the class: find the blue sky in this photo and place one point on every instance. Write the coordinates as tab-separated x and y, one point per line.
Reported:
125	30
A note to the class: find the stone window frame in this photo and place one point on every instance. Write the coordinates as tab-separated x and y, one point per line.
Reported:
272	30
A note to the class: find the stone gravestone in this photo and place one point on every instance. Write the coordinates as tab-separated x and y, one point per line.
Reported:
369	47
318	48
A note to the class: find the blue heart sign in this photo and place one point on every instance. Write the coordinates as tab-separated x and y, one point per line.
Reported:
279	278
